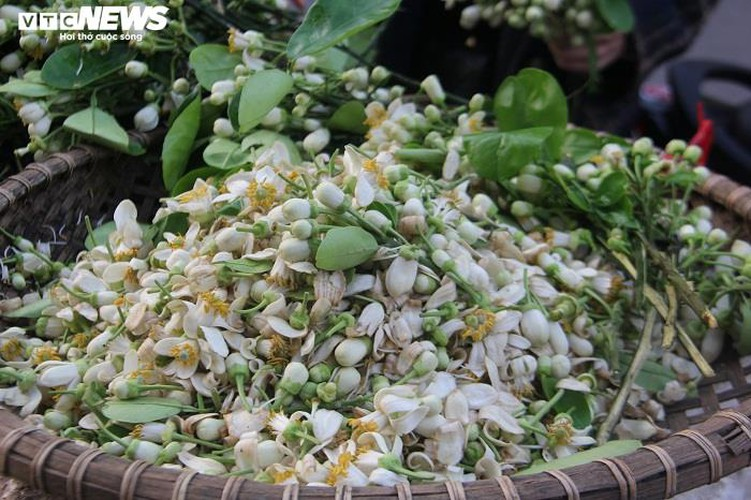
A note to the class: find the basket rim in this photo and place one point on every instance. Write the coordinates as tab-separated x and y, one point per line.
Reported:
723	440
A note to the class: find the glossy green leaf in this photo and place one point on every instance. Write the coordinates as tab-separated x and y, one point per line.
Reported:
532	98
187	181
610	449
263	139
575	404
501	155
29	311
224	154
349	117
101	233
69	67
329	22
653	376
213	62
178	144
580	145
98	126
141	410
611	190
617	14
247	266
344	248
421	156
25	88
261	92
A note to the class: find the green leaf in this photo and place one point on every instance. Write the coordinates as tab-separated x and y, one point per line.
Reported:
175	223
610	449
653	376
261	92
345	247
349	117
231	209
500	155
141	410
29	311
532	98
178	143
580	145
213	62
328	22
575	404
70	68
25	88
617	14
102	232
421	156
225	154
263	139
186	181
100	127
247	266
611	190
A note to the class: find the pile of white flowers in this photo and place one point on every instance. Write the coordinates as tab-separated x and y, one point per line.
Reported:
575	20
341	321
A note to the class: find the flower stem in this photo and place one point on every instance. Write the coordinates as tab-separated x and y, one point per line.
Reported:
547	407
642	351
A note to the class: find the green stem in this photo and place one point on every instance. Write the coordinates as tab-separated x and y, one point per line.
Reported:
547	407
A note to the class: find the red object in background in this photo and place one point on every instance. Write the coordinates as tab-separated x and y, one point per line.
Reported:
300	4
704	136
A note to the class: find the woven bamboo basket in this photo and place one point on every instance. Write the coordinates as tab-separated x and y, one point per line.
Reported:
713	430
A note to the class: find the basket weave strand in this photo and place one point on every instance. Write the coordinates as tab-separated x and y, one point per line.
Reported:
53	196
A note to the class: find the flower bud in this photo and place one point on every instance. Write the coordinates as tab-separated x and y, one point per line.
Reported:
347	380
377	219
181	86
3	27
143	450
560	366
237	366
11	62
686	232
211	429
351	351
56	420
40	128
223	128
379	74
675	147
522	209
534	327
432	86
330	196
147	118
315	141
643	146
320	373
113	448
31	112
294	377
136	69
327	391
294	250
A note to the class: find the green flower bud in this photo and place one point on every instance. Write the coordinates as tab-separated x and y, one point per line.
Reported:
211	429
443	358
560	366
675	147
544	365
237	366
320	373
170	452
56	420
643	146
309	391
143	450
125	389
18	281
327	391
692	154
473	452
113	448
425	363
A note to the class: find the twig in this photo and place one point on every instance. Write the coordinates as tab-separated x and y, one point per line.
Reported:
616	409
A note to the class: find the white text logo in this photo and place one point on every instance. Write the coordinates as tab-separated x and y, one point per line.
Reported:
96	19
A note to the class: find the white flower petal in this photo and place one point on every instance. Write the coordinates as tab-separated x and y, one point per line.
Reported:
216	340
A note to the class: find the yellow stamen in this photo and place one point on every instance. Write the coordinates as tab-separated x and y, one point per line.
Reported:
12	350
474	124
232	41
177	243
212	303
340	470
479	324
376	117
126	255
79	340
560	432
184	354
360	427
370	166
193	194
119	302
137	431
262	196
282	475
44	353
